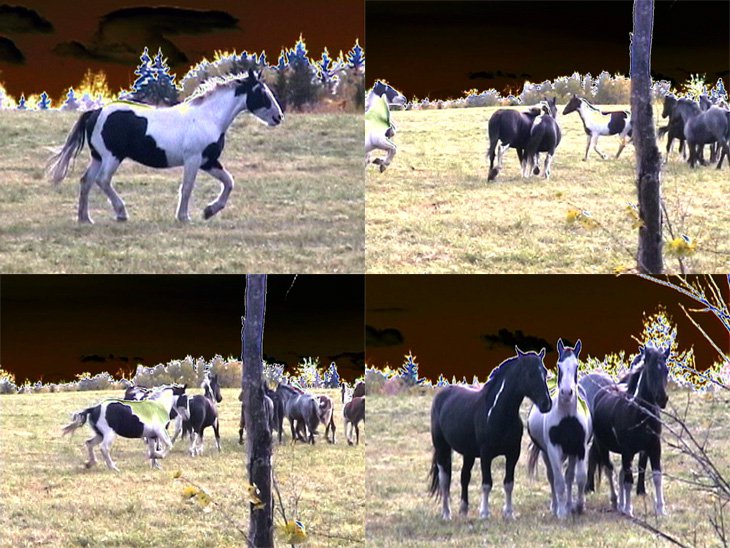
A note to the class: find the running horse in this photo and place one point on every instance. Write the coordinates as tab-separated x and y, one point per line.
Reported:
597	123
190	134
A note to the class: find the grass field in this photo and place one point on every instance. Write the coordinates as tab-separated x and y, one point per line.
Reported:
48	497
298	204
400	512
434	211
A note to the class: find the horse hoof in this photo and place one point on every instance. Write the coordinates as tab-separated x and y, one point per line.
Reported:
509	516
492	174
121	219
89	464
382	168
208	213
536	171
85	221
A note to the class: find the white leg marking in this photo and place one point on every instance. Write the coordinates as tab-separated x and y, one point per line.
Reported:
659	492
484	506
444	487
507	511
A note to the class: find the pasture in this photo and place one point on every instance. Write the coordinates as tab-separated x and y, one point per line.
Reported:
400	512
48	497
434	211
297	206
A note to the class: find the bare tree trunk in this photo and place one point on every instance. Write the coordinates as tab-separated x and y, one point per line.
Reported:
258	440
648	160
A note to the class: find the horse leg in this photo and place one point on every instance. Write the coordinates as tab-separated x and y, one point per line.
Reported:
104	448
556	463
186	189
627	480
178	428
490	155
621	146
465	478
641	473
569	478
391	149
656	475
443	463
553	499
90	443
87	181
724	153
220	173
536	164
509	484
580	478
104	181
594	139
357	434
588	146
217	435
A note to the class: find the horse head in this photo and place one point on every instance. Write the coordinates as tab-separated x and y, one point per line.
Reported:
550	106
260	100
211	387
567	371
533	380
656	373
669	102
389	93
573	105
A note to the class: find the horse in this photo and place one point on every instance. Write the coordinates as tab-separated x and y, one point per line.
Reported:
272	410
353	413
129	419
675	127
383	89
139	393
202	412
348	394
544	137
298	406
326	416
564	433
627	422
190	134
485	423
597	123
379	128
510	128
701	128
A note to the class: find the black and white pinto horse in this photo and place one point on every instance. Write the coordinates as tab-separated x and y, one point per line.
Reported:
563	434
597	123
139	393
511	128
626	421
484	423
129	419
379	128
190	134
202	412
298	407
544	137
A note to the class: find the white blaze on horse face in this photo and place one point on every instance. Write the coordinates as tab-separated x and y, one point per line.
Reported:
273	115
567	388
489	413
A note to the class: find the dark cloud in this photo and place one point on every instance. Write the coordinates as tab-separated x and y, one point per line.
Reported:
481	75
505	337
9	52
123	34
17	19
356	359
382	337
93	358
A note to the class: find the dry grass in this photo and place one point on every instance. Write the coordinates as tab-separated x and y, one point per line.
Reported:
298	204
400	512
48	497
433	210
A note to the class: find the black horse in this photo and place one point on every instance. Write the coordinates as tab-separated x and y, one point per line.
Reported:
485	423
626	421
704	128
544	137
675	127
509	128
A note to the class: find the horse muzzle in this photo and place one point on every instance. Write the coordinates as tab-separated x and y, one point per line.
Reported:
545	406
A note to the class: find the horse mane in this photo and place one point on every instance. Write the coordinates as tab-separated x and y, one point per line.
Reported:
213	84
589	105
498	373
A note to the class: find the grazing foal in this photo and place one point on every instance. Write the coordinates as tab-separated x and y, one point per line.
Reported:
597	123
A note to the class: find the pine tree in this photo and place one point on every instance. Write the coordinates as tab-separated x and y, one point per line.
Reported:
21	103
332	377
144	71
356	57
71	103
165	89
442	381
45	102
155	85
302	84
409	371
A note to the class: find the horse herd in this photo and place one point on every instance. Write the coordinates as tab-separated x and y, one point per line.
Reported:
147	412
574	427
536	130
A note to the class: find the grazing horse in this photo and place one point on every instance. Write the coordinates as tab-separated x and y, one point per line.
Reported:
129	419
202	412
597	123
509	128
298	407
627	422
190	134
272	406
564	433
353	413
675	127
544	137
485	423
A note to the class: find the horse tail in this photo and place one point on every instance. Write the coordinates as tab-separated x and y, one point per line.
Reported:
58	165
433	478
77	421
534	450
662	131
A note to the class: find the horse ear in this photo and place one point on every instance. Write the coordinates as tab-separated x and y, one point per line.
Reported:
667	351
561	348
542	353
520	353
577	348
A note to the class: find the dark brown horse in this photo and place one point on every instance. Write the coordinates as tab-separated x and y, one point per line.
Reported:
354	413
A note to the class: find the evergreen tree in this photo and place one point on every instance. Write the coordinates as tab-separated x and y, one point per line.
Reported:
21	103
45	102
442	381
409	371
332	377
155	85
302	85
356	57
143	71
71	103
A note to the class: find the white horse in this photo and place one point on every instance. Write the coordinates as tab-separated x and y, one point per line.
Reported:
561	435
597	123
379	129
190	134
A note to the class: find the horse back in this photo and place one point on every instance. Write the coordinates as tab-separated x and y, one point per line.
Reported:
511	127
453	418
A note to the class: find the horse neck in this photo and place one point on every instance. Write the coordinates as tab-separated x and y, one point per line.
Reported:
502	397
584	111
222	107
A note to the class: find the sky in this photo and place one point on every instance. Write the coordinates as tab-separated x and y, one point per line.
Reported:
49	44
467	325
439	49
56	326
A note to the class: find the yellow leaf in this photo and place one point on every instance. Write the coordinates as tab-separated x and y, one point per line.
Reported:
293	532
